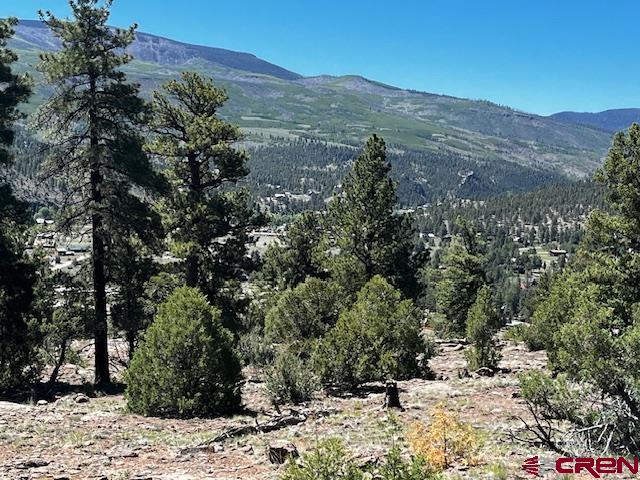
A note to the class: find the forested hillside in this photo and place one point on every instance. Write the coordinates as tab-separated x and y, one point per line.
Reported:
438	141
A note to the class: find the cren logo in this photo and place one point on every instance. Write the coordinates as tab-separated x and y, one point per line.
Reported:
532	466
596	467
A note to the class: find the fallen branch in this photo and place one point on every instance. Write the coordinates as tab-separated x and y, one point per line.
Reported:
277	423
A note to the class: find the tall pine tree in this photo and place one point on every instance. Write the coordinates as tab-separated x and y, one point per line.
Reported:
91	123
372	239
17	278
207	220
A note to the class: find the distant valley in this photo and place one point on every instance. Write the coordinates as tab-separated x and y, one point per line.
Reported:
441	145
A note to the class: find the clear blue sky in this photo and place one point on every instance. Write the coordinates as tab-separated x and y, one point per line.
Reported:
541	56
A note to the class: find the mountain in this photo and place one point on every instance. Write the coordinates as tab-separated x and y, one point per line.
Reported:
33	34
473	147
612	121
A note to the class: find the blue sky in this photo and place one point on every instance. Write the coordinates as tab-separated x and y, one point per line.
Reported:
540	56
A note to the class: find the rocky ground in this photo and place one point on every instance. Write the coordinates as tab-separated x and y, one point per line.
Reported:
82	436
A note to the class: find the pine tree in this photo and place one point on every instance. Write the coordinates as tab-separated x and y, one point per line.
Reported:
91	123
457	285
287	265
208	222
482	323
18	275
372	239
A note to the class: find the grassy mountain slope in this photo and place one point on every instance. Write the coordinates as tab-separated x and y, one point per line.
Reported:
276	106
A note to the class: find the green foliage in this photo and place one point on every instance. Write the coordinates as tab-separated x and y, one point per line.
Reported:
554	398
371	238
590	321
64	317
482	323
18	359
132	268
91	123
457	286
254	350
18	356
16	89
306	312
290	379
185	365
287	265
329	461
377	338
207	220
332	461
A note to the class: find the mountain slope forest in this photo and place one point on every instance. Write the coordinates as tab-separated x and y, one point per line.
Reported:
302	133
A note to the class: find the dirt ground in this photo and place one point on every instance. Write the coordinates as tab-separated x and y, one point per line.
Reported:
77	436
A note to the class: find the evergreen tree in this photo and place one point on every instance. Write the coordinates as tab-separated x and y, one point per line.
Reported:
17	355
372	240
287	265
132	268
305	312
186	365
91	123
377	339
482	323
208	222
457	285
589	322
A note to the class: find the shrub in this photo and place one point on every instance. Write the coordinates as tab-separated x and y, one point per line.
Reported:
305	312
482	322
185	365
19	335
254	350
331	461
290	380
328	462
376	339
444	441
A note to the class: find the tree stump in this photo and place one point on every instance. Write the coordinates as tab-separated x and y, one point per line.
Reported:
279	454
392	396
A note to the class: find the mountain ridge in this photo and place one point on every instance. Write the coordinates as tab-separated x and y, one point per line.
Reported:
150	47
274	105
612	120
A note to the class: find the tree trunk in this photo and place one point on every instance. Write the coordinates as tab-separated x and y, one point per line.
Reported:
392	396
191	274
98	255
192	267
59	363
131	341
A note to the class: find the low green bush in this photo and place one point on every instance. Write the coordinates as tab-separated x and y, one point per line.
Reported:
290	380
378	338
185	365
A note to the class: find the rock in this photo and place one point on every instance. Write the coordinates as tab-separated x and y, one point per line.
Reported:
279	454
33	463
217	448
485	372
121	453
81	398
42	403
248	449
